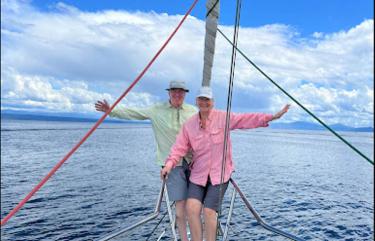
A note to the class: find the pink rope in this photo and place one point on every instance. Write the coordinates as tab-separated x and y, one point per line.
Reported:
59	164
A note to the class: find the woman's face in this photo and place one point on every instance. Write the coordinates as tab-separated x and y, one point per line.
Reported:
205	104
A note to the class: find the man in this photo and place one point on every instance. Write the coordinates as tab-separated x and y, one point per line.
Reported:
204	135
167	119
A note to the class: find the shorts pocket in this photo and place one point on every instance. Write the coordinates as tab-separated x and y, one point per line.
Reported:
182	173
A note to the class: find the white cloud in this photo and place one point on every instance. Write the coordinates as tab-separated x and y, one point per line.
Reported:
65	59
136	99
54	95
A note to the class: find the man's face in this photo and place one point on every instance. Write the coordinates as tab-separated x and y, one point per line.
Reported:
176	97
205	104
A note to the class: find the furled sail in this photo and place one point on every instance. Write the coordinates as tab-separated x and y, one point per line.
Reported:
213	9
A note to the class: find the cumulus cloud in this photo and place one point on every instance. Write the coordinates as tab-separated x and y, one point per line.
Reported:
37	92
21	91
65	59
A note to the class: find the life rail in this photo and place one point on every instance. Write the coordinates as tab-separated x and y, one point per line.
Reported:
223	233
256	215
154	215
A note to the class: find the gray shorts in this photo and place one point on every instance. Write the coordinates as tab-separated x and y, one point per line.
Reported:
177	182
208	195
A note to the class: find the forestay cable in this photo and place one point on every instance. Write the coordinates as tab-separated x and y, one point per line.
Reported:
229	106
59	164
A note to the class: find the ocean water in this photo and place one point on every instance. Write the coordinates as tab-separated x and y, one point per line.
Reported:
307	183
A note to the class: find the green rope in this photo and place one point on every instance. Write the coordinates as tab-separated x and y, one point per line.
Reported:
291	97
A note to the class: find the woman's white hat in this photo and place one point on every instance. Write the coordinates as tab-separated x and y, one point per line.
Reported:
205	91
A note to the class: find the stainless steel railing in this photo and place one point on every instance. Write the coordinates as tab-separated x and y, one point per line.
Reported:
143	221
255	214
223	233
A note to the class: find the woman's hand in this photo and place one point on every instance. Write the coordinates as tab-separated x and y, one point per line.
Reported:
281	112
164	172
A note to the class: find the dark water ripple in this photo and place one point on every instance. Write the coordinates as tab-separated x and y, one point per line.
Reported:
305	183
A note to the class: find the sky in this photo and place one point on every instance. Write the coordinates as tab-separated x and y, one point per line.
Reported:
60	57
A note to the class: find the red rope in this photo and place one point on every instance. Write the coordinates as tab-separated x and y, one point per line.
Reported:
58	165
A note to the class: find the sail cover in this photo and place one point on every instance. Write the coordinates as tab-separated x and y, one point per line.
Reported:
213	9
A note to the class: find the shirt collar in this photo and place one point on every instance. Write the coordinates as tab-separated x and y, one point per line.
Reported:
209	115
171	106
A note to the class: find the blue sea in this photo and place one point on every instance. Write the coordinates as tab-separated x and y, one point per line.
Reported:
307	183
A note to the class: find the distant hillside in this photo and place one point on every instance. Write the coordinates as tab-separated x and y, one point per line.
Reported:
298	125
28	116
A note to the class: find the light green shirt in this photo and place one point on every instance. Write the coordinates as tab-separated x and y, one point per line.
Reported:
166	123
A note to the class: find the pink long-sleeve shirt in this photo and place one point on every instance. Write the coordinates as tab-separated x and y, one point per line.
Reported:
208	144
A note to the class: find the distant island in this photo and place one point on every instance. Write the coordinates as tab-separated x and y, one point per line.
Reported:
298	125
67	118
301	125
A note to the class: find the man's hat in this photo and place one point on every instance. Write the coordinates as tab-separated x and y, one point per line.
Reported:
177	84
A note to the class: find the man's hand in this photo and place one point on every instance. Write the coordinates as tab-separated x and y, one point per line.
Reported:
102	106
281	112
164	172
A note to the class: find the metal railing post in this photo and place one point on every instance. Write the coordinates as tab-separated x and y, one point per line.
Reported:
143	221
259	219
172	218
225	235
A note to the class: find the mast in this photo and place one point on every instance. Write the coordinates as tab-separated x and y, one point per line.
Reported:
213	10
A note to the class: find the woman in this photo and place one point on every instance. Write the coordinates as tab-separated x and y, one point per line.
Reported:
203	133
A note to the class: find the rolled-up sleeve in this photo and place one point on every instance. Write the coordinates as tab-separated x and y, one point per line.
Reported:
179	149
250	120
131	113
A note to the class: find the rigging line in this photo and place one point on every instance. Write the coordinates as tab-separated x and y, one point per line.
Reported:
292	98
157	225
229	106
59	164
